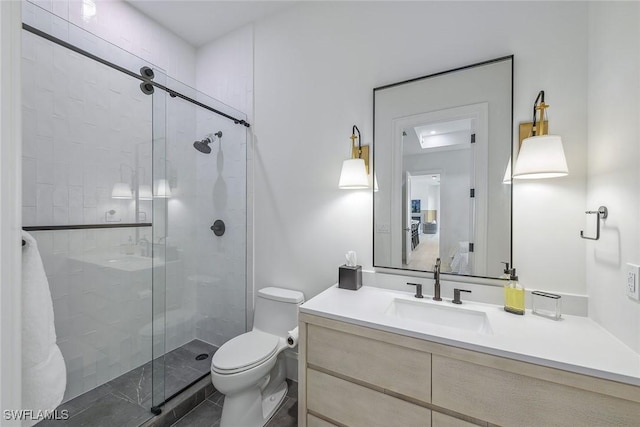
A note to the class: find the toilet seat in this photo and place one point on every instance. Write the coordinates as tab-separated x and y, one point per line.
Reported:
244	352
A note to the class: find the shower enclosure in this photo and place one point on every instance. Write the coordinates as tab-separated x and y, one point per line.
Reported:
142	236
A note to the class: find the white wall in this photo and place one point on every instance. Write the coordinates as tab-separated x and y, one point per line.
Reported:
312	87
614	174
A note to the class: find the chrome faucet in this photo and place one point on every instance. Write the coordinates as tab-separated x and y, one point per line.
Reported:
436	285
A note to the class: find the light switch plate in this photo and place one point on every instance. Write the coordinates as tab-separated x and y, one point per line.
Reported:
632	278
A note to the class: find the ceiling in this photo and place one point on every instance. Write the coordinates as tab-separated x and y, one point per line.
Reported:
436	136
441	128
199	22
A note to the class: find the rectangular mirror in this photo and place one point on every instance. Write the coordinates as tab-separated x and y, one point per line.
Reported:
442	161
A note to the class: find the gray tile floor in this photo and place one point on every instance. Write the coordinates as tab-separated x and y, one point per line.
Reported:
208	413
126	400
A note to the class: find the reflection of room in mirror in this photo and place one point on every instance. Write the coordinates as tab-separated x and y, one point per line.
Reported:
456	124
425	204
437	157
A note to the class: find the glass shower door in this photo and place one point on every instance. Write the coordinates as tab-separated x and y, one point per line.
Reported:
200	227
87	163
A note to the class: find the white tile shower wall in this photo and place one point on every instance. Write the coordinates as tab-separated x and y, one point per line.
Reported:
221	260
120	24
224	70
181	232
85	127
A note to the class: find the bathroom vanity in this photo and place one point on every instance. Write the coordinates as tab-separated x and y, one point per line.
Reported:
384	358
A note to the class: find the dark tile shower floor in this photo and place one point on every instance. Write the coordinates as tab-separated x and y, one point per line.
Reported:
208	413
125	401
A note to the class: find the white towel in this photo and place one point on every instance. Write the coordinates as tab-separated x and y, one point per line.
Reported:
44	374
460	263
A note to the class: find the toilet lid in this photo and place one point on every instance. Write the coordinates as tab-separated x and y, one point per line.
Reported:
244	351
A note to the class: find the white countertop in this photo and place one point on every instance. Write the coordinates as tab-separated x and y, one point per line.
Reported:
574	343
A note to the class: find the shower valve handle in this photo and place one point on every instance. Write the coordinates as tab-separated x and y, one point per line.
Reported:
218	227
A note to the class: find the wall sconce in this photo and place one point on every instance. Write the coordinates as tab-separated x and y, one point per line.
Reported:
122	189
541	155
355	170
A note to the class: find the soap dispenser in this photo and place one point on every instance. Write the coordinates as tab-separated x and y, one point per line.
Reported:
513	294
506	273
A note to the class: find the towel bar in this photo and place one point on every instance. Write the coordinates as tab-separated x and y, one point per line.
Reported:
601	213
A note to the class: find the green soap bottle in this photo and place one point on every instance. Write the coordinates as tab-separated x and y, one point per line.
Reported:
513	294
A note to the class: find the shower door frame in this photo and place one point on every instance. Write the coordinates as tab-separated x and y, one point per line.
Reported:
10	209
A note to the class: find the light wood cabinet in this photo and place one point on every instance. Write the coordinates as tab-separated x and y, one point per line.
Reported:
507	398
378	364
351	375
438	419
313	421
354	405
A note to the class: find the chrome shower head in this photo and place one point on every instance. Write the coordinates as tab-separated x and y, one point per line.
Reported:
203	146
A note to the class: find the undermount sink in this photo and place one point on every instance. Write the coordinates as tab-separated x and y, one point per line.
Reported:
440	314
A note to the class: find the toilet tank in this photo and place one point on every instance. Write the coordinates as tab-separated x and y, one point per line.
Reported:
277	310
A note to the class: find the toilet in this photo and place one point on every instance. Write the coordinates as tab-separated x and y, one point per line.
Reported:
250	368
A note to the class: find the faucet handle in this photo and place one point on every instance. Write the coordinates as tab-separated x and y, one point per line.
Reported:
418	289
456	295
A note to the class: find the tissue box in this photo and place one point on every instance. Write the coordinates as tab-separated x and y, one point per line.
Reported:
350	277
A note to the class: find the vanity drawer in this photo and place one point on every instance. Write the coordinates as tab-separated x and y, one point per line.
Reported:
438	419
317	422
356	406
510	399
390	367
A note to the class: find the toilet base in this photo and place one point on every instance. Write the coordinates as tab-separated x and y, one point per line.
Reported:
272	402
252	408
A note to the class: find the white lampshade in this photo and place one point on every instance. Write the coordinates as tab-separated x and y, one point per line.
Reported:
353	175
121	190
541	157
144	192
162	189
373	182
507	173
